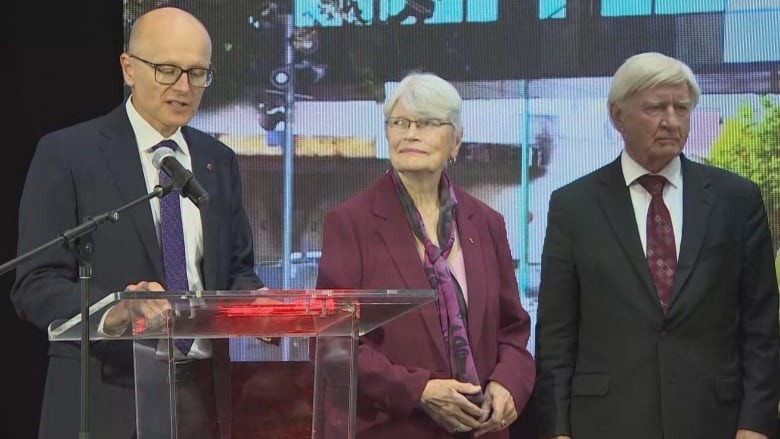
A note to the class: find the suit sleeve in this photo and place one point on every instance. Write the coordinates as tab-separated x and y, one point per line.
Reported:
515	368
47	285
557	323
242	260
758	298
388	387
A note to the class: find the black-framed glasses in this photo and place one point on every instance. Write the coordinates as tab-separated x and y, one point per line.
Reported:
403	124
169	74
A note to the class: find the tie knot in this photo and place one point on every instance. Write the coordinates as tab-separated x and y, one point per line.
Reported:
653	184
167	143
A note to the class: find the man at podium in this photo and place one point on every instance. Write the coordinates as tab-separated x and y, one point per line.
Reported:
102	164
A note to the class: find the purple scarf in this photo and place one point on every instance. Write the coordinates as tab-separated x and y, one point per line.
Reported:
450	304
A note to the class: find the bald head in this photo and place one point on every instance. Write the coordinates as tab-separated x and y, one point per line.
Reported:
164	26
163	42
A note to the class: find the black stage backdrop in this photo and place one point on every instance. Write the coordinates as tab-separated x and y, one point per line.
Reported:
59	65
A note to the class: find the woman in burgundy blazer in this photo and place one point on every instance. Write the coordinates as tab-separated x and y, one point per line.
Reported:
413	229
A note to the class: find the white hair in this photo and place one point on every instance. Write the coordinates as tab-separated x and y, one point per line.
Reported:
647	70
427	96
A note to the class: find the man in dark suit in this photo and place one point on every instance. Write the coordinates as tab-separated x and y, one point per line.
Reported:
634	340
99	165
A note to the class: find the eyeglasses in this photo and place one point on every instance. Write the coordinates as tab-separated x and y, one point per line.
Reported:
169	74
403	124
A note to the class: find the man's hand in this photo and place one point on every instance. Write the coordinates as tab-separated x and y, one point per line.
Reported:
499	408
265	300
152	311
749	434
444	402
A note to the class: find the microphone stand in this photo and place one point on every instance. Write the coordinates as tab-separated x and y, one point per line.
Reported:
79	241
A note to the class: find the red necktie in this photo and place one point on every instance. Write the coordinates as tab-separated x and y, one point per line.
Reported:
661	249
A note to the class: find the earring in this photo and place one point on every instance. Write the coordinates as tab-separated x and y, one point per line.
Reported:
452	160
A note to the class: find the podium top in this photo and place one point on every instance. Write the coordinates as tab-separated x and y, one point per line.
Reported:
257	313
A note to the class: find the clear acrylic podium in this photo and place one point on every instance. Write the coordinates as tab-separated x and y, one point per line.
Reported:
282	363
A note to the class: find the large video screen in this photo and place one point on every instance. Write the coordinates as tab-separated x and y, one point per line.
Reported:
310	76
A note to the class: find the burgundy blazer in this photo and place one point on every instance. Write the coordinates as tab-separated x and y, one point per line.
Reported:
367	243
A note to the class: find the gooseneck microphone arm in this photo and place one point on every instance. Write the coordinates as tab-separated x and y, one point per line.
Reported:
89	224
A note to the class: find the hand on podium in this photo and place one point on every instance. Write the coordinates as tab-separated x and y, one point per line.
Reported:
267	301
149	313
264	300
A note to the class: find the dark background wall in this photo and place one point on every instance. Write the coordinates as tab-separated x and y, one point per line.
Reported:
59	65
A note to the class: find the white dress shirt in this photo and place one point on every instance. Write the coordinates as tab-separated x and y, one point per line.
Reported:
640	197
146	138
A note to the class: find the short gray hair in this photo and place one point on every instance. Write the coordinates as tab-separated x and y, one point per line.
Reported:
427	96
647	70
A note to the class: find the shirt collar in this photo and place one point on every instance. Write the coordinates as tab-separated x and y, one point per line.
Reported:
633	170
145	134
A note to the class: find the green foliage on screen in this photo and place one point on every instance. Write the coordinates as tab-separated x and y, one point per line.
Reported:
749	145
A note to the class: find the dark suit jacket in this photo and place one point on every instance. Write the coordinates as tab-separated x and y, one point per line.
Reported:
367	243
86	170
610	363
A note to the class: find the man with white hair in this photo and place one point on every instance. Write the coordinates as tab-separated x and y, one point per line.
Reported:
658	302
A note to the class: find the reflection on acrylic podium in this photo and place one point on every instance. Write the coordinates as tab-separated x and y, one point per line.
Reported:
303	386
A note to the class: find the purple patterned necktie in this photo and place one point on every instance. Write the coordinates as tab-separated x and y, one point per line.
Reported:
172	241
661	248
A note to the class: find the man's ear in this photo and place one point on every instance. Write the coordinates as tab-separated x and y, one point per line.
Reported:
127	69
616	116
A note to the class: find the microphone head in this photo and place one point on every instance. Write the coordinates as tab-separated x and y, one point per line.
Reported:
160	154
202	202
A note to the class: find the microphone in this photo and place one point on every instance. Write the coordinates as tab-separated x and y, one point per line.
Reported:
165	160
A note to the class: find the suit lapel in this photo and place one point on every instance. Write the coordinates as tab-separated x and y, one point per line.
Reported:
120	152
474	261
616	202
393	228
697	204
203	169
